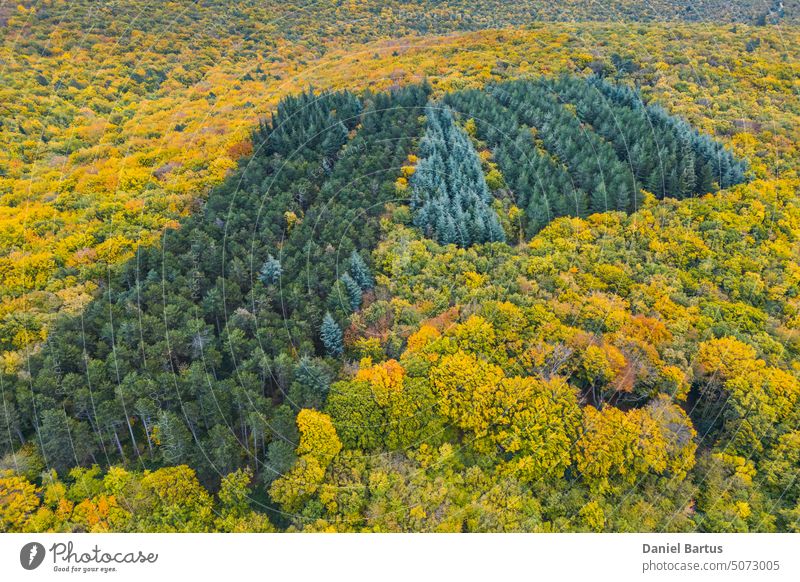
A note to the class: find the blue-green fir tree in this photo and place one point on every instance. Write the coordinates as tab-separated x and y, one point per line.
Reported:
331	336
353	291
271	271
360	272
450	199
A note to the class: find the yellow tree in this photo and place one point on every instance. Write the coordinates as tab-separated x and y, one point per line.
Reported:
465	386
18	500
319	444
617	448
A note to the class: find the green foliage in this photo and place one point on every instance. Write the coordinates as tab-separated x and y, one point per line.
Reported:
331	336
590	146
360	272
271	271
217	356
450	199
353	291
627	370
312	381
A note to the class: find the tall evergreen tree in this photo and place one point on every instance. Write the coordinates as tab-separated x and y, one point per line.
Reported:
353	291
271	271
66	442
360	272
174	439
331	336
312	381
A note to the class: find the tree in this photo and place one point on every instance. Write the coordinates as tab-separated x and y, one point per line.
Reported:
360	272
317	436
172	500
318	445
65	442
353	291
466	387
450	198
331	336
174	439
270	272
312	381
235	514
618	448
538	424
19	500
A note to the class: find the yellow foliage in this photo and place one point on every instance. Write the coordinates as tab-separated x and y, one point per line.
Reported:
726	357
385	379
601	364
317	436
466	386
475	335
300	482
290	218
593	516
470	127
617	448
474	280
18	500
421	338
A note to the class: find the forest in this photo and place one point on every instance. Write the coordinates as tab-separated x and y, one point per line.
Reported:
508	273
117	121
346	336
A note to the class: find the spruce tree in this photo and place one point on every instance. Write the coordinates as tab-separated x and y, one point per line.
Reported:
335	138
353	291
450	198
270	271
360	272
331	336
312	381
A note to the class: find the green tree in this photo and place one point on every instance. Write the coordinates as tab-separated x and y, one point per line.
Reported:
331	336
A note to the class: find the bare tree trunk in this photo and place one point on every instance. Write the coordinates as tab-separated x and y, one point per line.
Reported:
133	438
147	433
119	444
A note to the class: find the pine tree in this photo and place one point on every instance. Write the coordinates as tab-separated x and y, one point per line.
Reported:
353	291
312	381
331	336
360	272
174	438
271	271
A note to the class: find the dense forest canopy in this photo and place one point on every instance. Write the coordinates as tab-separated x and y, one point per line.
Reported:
399	266
595	147
356	331
119	116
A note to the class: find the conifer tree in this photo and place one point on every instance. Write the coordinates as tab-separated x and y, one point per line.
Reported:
331	336
174	438
360	272
271	271
450	198
353	291
312	381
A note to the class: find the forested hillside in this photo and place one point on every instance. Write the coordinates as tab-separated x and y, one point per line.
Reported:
380	323
118	117
399	266
570	148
